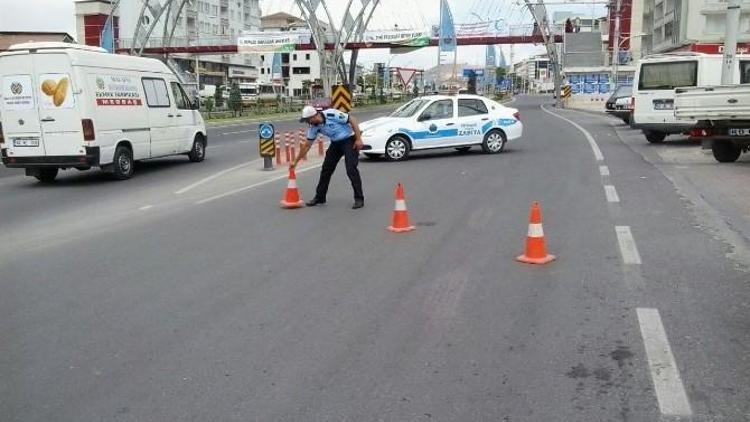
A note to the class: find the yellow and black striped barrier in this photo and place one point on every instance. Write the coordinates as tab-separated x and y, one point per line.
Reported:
266	145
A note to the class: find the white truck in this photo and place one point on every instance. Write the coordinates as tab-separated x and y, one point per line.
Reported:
74	106
723	117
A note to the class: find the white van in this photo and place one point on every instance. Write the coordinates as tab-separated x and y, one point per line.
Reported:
654	85
75	106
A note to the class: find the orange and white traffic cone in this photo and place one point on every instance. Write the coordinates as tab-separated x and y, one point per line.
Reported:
292	198
400	214
536	248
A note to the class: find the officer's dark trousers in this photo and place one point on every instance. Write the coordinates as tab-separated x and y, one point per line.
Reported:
351	158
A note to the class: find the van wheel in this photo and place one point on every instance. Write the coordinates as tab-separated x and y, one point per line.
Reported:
198	152
725	152
122	166
654	137
46	175
494	142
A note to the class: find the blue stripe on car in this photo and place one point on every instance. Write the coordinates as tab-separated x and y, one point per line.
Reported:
421	135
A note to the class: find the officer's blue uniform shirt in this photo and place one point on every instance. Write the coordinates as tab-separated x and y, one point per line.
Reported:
335	126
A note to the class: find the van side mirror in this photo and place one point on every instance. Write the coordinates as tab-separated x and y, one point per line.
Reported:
424	116
196	105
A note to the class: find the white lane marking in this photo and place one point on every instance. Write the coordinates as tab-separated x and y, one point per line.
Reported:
611	193
243	142
213	176
604	170
239	131
254	185
670	392
145	207
628	249
592	142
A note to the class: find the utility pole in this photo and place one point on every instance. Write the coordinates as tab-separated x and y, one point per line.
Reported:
730	41
549	42
616	63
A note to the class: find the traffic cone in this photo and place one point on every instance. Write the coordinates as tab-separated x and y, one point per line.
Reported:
536	249
291	198
400	215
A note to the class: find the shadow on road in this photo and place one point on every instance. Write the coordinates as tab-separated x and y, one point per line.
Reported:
441	154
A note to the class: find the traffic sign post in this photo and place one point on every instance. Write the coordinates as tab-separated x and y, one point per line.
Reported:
341	98
266	145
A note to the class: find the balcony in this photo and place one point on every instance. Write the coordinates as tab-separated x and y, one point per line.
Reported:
191	14
224	4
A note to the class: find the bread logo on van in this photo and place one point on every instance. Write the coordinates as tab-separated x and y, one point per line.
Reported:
16	88
57	90
100	84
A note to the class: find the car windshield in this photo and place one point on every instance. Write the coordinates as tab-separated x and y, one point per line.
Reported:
409	109
624	91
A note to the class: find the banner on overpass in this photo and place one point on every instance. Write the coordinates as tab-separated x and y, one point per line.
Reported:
264	42
405	37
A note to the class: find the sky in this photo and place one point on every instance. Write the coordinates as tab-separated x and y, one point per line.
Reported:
59	15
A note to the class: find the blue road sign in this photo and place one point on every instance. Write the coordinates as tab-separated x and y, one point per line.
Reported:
265	130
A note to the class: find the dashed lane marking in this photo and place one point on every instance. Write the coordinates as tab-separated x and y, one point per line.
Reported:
670	392
611	193
239	131
628	248
214	176
592	142
145	207
254	185
604	170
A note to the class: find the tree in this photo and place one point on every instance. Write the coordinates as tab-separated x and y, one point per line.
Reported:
235	99
219	96
415	90
500	73
209	106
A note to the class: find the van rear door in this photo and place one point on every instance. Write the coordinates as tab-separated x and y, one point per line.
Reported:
654	94
58	108
20	115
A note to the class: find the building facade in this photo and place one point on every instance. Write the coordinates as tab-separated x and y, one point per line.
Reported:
200	22
299	69
671	25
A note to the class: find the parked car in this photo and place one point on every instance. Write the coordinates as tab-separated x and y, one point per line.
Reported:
442	121
618	102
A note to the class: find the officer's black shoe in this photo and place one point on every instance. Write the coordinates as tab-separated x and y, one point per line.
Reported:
315	201
358	203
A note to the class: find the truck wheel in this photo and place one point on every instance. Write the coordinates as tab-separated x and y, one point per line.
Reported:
46	175
654	137
198	152
726	151
122	166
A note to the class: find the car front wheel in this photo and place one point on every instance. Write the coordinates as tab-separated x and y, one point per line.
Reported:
494	142
397	149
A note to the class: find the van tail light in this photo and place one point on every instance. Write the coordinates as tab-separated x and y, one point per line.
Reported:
631	106
699	133
2	137
88	130
517	115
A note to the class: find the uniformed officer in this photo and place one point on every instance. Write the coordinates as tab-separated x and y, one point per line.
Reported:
346	139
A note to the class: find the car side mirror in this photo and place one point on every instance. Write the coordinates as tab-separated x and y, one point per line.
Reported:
425	116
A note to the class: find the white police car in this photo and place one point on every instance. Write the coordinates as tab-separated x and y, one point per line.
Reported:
441	121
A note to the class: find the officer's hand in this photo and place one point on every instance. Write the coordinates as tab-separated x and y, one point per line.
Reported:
358	145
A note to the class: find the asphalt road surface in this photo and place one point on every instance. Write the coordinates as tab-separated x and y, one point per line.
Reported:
128	301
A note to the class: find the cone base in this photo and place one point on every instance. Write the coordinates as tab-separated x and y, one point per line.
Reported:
538	261
400	229
292	205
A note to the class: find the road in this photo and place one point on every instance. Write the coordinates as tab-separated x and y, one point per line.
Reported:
127	301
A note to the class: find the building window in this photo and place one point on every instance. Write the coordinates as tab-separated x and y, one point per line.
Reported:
301	71
297	92
307	56
669	31
294	57
262	70
262	58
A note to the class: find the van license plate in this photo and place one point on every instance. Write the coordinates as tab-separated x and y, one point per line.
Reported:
739	132
26	142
